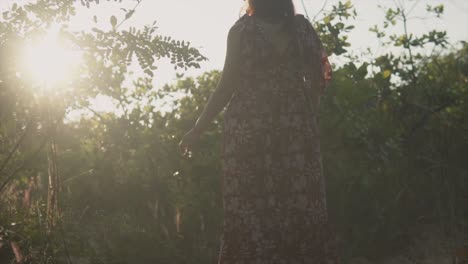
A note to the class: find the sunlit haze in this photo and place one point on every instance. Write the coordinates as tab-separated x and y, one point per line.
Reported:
205	24
48	62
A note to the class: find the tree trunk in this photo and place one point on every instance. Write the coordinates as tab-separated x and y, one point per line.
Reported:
54	184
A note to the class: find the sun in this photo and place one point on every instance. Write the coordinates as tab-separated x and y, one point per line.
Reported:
47	61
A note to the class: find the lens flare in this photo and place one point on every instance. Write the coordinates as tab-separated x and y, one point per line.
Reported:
49	62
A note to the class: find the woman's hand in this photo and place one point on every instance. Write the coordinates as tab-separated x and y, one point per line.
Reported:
327	69
188	140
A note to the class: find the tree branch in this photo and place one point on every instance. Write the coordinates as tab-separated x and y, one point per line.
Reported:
13	174
15	148
129	14
426	116
320	11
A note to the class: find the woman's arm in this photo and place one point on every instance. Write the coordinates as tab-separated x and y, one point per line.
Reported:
324	81
320	72
226	86
223	93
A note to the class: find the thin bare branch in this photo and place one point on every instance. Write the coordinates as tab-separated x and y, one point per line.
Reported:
305	9
321	10
32	156
131	12
16	147
412	7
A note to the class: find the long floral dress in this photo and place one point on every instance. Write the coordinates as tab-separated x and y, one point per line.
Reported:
273	186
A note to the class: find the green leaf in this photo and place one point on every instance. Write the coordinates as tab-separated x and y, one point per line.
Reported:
129	14
362	71
149	72
348	4
386	74
113	21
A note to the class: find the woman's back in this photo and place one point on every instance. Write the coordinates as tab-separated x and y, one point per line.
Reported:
273	186
279	61
277	32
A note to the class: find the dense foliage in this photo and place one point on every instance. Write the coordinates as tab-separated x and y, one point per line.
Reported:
394	133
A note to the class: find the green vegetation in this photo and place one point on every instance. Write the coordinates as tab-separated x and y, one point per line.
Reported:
114	188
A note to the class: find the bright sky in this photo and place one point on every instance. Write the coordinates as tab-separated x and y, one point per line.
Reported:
205	23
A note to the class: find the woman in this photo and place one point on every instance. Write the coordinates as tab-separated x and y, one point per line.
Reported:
273	187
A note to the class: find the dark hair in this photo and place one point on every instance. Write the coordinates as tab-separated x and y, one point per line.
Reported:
274	9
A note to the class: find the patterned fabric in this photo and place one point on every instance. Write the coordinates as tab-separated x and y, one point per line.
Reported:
273	186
